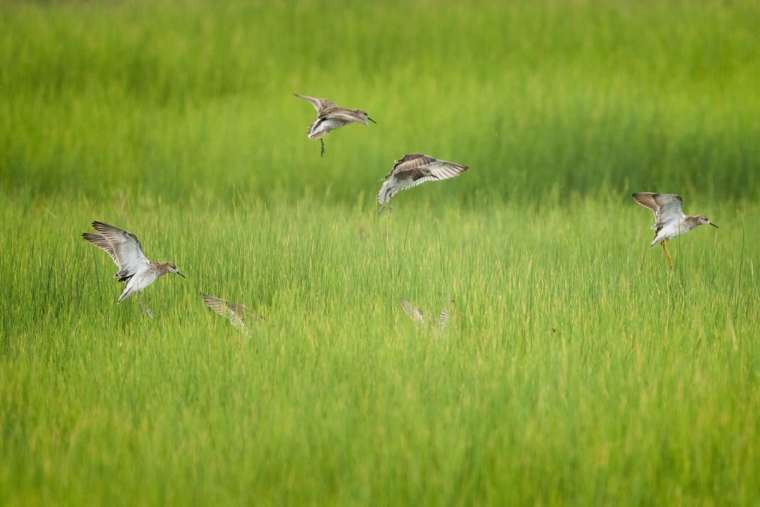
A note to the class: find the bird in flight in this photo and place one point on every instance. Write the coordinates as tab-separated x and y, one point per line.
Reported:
670	220
418	316
237	314
415	169
135	270
331	117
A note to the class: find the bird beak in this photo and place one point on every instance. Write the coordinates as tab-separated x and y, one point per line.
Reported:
370	119
180	274
714	225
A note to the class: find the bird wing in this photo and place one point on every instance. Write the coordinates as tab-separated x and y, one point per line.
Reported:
410	162
427	166
412	311
102	243
320	105
445	315
443	169
345	115
123	247
235	313
666	207
413	170
443	319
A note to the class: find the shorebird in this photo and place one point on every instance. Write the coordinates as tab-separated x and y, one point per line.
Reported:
670	220
126	251
331	117
415	169
417	315
237	314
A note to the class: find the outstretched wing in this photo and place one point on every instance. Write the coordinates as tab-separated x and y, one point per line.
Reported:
443	318
413	170
320	105
410	162
123	247
666	207
347	115
412	311
235	313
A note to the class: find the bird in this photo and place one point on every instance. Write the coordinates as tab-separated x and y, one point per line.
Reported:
418	316
670	220
135	270
237	314
331	117
415	169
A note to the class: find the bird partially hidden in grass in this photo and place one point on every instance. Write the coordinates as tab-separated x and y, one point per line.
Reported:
331	117
415	169
237	314
418	316
135	270
670	220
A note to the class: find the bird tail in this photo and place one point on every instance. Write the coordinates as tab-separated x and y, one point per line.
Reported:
385	193
125	293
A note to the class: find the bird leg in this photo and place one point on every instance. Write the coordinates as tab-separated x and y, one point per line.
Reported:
322	147
667	254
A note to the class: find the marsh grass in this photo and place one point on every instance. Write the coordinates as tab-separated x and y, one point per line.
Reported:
576	368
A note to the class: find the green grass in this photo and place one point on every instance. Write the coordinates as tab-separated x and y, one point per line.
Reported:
577	368
182	99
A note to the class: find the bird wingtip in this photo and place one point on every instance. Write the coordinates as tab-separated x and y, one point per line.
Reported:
97	224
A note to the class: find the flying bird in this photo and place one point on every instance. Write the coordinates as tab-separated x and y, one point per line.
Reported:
237	314
670	220
331	117
135	270
416	169
418	316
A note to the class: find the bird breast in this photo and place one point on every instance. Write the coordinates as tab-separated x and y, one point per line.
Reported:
322	126
670	230
143	278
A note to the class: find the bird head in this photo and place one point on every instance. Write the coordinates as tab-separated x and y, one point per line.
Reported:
703	220
173	269
364	116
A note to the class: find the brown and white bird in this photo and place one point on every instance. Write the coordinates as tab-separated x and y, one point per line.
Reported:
237	314
415	169
418	316
670	220
331	117
126	251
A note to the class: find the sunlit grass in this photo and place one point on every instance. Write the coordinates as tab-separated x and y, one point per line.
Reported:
576	368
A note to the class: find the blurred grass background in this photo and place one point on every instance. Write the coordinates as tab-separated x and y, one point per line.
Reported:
181	98
576	368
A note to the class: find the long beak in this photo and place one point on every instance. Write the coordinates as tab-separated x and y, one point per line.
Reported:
370	119
180	274
714	225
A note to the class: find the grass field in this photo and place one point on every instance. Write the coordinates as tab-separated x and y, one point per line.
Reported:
576	369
